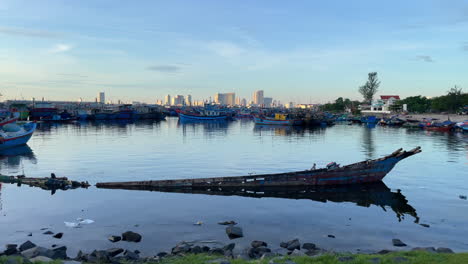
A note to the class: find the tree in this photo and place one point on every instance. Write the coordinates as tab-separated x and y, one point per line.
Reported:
417	104
371	87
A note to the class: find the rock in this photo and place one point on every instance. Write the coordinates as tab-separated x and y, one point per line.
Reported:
243	256
268	255
54	245
182	247
48	233
129	255
398	243
257	243
58	235
297	253
227	223
11	249
196	250
234	232
34	252
384	251
112	252
229	247
346	259
131	237
26	245
400	259
216	251
114	239
205	249
309	246
444	250
425	225
161	254
58	253
426	249
30	234
331	236
463	197
291	245
41	259
314	252
256	253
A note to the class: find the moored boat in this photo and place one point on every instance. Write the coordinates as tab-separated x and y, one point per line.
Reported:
441	127
42	110
16	135
207	113
361	172
279	119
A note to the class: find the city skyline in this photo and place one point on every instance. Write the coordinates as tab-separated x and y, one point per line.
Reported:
304	52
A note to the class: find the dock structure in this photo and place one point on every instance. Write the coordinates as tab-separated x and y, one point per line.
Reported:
361	172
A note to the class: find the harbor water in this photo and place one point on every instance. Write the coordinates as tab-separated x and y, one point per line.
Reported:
428	188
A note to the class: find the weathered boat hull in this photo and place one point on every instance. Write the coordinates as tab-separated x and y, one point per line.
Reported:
201	118
361	172
265	121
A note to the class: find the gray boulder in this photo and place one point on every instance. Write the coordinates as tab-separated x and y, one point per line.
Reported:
114	239
398	243
291	245
309	246
257	243
180	248
256	253
35	251
58	253
297	253
112	252
130	255
26	245
41	259
229	247
131	237
234	232
196	250
58	235
11	249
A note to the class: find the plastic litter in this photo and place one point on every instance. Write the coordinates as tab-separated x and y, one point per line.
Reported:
79	224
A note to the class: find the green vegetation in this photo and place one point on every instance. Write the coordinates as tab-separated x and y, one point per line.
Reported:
340	105
407	257
412	257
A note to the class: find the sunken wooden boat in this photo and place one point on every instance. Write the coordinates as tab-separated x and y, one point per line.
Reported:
361	172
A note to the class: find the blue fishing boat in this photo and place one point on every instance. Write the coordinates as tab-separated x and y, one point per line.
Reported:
14	135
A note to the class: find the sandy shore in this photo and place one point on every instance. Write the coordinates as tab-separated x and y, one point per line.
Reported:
453	117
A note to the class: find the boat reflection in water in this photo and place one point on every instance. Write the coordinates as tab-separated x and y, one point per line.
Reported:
364	195
11	158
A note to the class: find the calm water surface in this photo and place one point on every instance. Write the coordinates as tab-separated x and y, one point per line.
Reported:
421	189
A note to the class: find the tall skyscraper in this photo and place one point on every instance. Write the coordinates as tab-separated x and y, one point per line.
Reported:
102	98
178	100
267	101
258	97
188	100
167	100
225	98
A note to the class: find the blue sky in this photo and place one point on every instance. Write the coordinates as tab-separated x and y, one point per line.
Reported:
301	51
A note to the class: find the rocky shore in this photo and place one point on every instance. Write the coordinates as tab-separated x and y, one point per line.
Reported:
29	252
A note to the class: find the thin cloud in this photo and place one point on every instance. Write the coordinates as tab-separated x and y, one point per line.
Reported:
424	58
59	48
28	32
164	68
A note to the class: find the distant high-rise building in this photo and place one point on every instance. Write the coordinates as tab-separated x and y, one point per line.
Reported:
178	100
258	98
243	102
102	98
188	100
267	101
167	100
225	98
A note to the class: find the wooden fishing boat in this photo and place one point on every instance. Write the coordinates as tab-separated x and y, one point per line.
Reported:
441	127
9	139
361	172
279	120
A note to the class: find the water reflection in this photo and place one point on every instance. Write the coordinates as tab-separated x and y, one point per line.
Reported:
286	130
208	128
368	142
12	158
364	195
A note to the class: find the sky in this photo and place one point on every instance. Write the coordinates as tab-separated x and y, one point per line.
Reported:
296	51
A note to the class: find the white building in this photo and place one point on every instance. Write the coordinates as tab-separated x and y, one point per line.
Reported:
382	105
267	101
225	98
188	100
